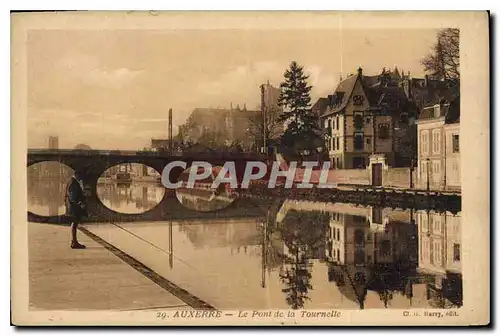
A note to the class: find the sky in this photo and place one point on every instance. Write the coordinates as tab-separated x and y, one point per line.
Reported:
112	89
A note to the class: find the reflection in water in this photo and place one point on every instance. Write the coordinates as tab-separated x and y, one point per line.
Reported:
201	197
302	255
130	197
372	250
204	200
303	234
46	183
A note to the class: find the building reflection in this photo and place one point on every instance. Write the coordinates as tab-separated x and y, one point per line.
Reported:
47	195
380	250
440	256
238	235
130	197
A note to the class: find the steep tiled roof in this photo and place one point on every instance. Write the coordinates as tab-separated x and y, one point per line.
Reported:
449	101
320	106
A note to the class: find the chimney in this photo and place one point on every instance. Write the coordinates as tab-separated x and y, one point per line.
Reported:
360	71
426	81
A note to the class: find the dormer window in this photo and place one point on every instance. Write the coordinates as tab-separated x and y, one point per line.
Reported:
358	100
437	111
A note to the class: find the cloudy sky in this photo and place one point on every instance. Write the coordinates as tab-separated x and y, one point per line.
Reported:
112	89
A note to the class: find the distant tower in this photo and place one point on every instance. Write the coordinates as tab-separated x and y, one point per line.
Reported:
53	142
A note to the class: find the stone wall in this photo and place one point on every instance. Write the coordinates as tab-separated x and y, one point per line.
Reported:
392	177
396	177
349	176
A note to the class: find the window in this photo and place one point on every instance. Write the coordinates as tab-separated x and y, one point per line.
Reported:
338	142
358	142
385	248
368	120
456	252
436	141
436	225
337	123
422	169
377	215
404	119
358	121
456	143
359	257
436	167
424	139
338	232
358	163
359	237
424	222
329	125
333	143
358	100
383	131
338	254
368	141
437	253
437	111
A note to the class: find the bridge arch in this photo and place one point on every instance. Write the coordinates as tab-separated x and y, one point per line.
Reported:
93	163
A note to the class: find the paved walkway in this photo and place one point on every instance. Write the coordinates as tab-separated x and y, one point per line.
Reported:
94	278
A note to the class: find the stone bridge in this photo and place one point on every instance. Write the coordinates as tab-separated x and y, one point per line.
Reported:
93	163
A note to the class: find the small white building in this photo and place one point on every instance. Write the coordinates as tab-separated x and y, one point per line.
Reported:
439	142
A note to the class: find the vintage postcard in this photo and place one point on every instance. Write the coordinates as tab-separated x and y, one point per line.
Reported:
250	168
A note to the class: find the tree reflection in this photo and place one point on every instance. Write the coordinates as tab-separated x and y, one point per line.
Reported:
303	234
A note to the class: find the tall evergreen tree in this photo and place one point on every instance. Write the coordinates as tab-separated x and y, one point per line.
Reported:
302	132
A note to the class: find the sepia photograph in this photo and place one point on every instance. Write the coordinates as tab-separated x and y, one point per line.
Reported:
250	168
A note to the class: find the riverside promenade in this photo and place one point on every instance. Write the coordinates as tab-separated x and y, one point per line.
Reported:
90	279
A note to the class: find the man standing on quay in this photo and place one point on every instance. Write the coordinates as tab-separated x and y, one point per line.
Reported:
76	207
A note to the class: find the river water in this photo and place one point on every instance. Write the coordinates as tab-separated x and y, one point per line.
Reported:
308	255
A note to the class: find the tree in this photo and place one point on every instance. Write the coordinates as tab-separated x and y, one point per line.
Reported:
270	128
302	132
183	134
443	62
212	139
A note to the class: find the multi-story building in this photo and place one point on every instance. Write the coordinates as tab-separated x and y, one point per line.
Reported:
270	97
369	115
439	141
226	125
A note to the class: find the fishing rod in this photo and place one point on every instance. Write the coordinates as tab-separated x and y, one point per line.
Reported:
146	241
